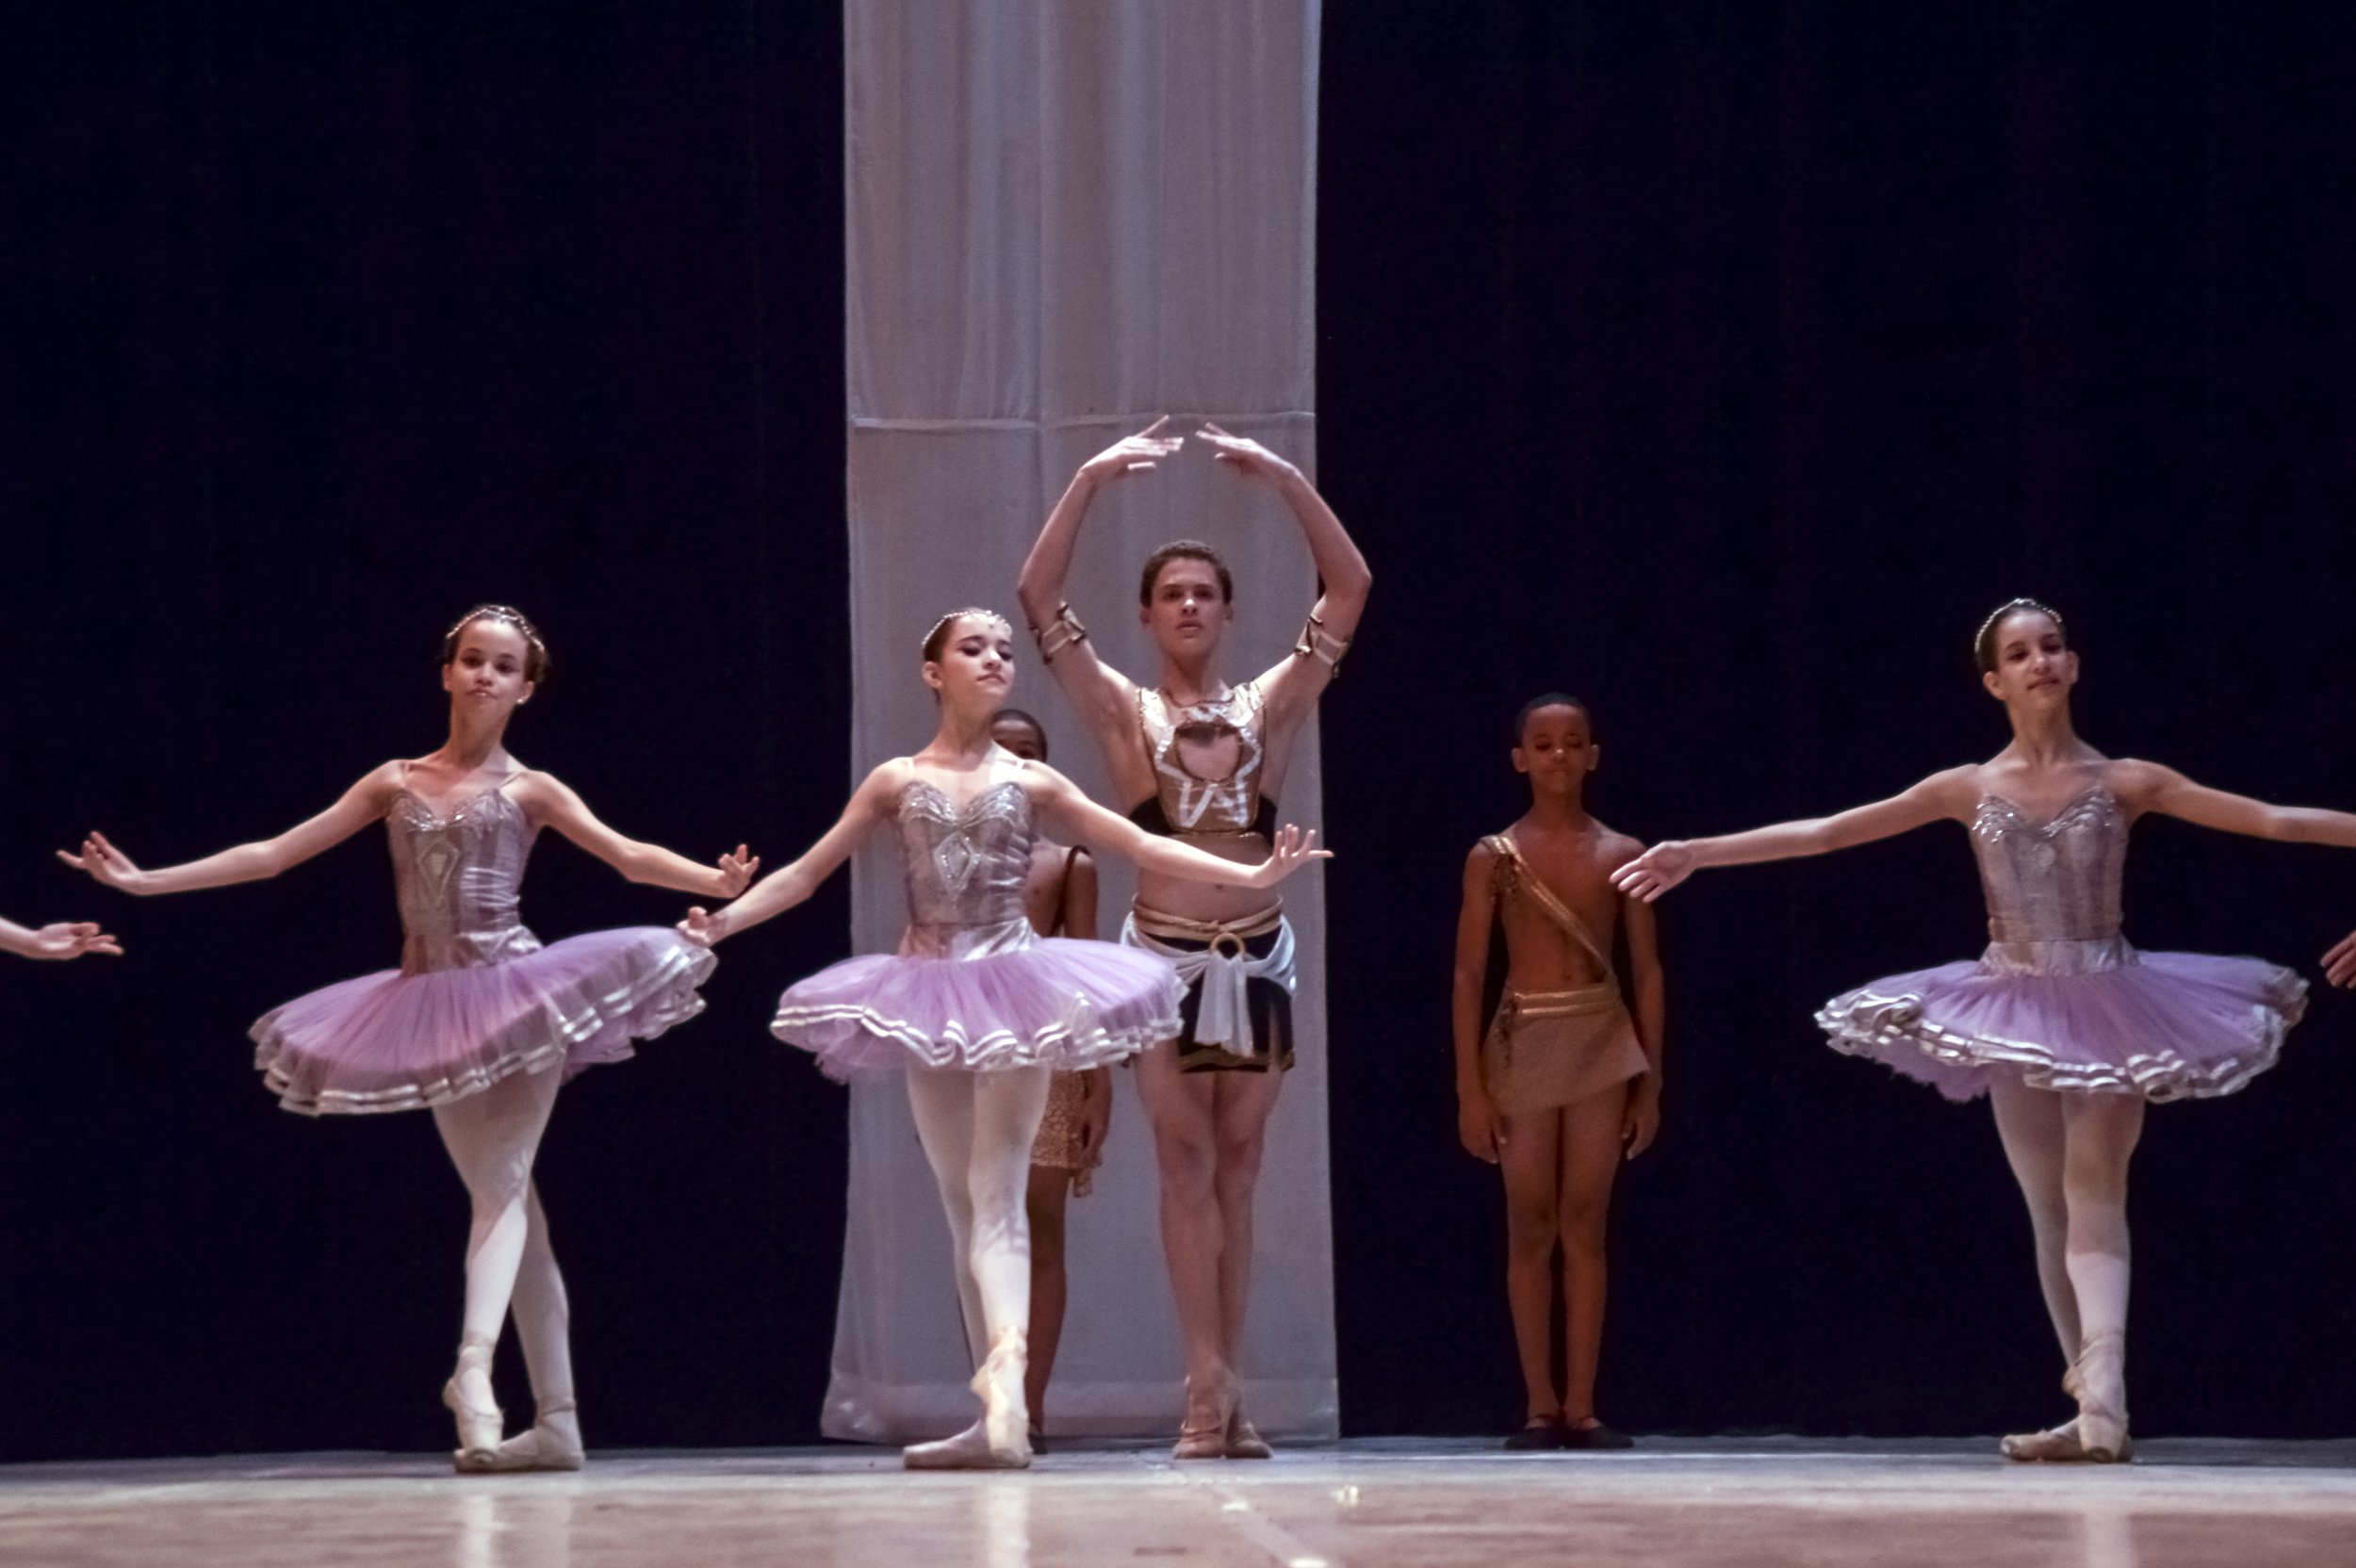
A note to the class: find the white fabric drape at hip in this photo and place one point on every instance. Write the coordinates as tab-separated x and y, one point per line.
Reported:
1066	216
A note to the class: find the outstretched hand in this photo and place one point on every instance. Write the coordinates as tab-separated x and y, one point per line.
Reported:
106	864
1293	847
1245	455
704	927
70	939
1655	872
2339	965
1135	455
736	872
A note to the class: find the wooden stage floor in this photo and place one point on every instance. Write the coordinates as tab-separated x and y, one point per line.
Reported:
1365	1504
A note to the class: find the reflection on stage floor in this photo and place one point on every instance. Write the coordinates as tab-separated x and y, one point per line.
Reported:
1367	1504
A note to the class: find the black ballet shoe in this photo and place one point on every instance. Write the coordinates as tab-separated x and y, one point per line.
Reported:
1595	1437
1539	1432
1038	1441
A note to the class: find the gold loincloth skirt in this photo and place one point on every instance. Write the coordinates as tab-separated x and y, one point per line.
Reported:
1549	1049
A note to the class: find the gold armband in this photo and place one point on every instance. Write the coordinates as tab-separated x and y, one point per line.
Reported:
1059	634
1316	643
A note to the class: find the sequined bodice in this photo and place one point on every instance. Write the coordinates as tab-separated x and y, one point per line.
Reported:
1208	759
2055	881
457	876
965	868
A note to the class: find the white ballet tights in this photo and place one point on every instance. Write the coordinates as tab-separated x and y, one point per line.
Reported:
493	1138
978	1129
2069	1153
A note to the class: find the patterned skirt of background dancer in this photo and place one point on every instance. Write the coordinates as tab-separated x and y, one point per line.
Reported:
1059	1146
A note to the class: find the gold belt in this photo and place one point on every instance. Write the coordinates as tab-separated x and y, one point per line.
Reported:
1580	1001
1224	936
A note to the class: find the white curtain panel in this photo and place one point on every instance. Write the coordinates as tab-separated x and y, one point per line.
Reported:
1066	216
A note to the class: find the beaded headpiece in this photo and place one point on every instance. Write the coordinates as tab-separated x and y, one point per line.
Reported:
508	616
955	615
1980	650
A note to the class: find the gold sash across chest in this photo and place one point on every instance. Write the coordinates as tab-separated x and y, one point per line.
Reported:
1515	875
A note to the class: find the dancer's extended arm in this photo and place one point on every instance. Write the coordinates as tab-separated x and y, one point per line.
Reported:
361	805
1099	830
1478	1125
59	939
2148	787
871	804
1294	684
1103	694
1947	794
553	804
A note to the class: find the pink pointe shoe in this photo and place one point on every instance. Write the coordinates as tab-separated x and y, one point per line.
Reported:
2054	1445
1001	1440
479	1424
552	1441
2102	1399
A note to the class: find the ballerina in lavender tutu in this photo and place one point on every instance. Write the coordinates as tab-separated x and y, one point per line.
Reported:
2067	1028
976	1007
480	1022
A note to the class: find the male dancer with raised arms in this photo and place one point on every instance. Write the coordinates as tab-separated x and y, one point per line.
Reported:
1192	755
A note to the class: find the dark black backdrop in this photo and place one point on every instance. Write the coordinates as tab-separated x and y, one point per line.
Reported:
1721	362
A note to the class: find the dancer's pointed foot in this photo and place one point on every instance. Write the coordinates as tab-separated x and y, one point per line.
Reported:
968	1450
552	1441
1005	1411
2102	1398
2054	1445
467	1395
1001	1439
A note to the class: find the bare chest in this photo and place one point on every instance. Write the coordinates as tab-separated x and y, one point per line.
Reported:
1548	880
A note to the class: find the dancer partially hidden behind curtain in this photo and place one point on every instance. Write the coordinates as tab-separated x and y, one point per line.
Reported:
480	1022
2066	1027
976	1007
64	939
1060	898
1205	762
1567	1083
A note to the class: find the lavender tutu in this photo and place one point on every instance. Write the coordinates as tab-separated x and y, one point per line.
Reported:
973	986
477	998
2060	999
